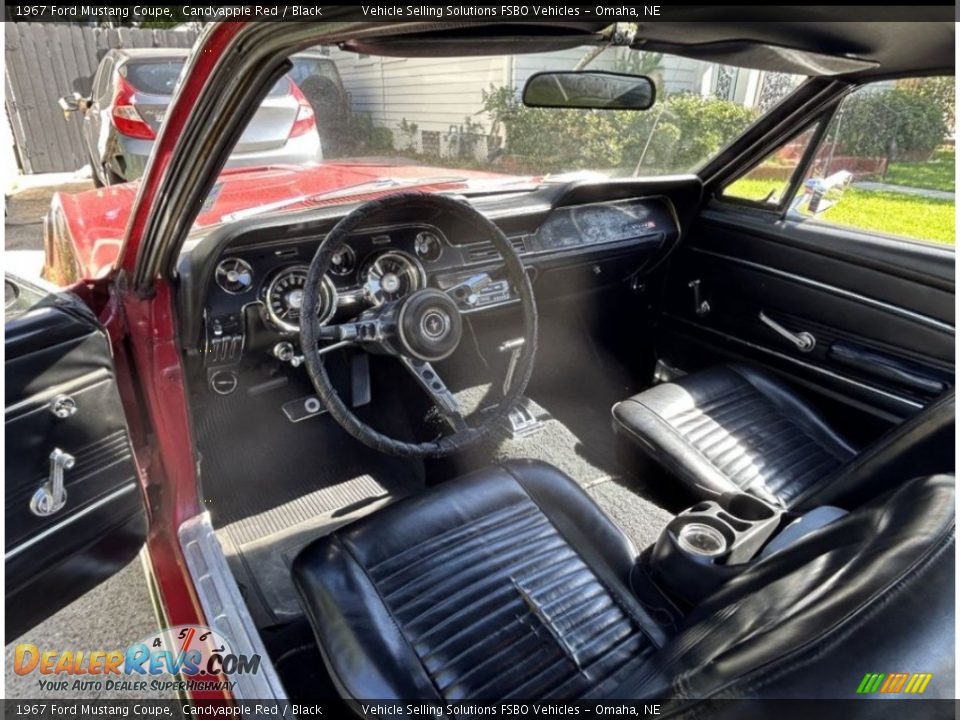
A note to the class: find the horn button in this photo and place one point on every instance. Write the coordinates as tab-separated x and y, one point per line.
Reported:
429	325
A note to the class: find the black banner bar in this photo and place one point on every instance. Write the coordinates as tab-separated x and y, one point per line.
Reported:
516	13
875	709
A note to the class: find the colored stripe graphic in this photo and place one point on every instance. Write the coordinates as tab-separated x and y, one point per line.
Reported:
918	683
894	683
900	683
870	683
892	680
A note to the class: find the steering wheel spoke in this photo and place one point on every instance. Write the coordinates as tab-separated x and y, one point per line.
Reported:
358	331
436	390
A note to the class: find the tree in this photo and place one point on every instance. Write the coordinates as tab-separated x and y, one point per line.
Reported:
940	90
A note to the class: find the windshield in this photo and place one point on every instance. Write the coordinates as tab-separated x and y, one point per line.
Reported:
370	123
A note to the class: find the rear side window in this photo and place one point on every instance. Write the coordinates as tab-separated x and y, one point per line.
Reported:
154	78
304	68
281	88
161	77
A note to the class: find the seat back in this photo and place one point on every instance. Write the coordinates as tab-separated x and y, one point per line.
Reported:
920	445
872	592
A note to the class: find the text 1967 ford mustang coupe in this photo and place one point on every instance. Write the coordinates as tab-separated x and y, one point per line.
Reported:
579	368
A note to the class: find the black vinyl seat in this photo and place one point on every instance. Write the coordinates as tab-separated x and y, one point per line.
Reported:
734	428
510	582
487	586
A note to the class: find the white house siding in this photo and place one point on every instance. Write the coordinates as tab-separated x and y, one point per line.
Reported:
678	74
436	94
439	94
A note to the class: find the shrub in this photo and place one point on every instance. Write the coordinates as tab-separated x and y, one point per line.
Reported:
366	137
890	123
681	133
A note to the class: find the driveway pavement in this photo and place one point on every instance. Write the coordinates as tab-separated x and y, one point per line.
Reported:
112	616
118	612
904	190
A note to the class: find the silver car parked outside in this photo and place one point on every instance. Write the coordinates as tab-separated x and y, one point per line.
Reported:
132	89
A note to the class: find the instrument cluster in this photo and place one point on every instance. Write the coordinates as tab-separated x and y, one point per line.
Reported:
256	296
369	270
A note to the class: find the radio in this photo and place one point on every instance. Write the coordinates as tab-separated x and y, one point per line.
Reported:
496	292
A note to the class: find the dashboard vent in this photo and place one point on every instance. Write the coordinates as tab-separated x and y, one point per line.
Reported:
485	251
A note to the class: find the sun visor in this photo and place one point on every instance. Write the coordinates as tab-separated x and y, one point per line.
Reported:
771	58
445	47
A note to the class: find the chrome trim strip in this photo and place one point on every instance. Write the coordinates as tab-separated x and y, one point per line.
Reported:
224	608
849	294
41	400
68	520
809	366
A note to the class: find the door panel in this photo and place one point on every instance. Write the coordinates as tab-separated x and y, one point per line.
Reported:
881	310
62	403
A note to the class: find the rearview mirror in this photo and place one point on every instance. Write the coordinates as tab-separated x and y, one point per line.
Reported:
585	89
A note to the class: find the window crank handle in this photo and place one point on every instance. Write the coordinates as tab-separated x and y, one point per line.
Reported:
804	341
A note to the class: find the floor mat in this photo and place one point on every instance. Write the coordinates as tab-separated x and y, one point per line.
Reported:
353	493
261	548
594	466
641	520
268	500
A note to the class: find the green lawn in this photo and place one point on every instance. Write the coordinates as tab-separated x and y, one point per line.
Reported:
896	214
892	213
936	174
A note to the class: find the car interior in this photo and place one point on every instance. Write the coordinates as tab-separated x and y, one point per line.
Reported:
597	437
673	442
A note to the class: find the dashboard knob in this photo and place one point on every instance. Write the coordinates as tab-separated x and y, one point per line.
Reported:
284	351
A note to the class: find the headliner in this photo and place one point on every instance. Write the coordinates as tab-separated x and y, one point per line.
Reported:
816	46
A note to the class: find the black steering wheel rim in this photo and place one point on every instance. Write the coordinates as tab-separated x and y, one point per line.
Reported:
310	326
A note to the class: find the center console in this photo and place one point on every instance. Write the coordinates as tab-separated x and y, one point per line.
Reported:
709	543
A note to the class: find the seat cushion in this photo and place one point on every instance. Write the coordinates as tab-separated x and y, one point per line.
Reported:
508	582
734	428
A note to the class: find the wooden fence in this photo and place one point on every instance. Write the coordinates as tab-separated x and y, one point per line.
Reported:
44	62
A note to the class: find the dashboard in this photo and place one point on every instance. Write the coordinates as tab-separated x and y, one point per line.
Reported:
252	283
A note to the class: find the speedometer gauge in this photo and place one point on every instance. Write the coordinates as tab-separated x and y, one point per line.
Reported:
284	298
391	276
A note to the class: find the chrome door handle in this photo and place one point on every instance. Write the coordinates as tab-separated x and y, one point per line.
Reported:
804	341
700	307
52	495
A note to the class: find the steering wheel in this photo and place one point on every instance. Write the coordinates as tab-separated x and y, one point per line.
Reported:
422	328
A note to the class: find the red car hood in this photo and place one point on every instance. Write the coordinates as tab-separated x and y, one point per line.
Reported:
96	220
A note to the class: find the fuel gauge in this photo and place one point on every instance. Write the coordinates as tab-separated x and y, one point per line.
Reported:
343	262
428	246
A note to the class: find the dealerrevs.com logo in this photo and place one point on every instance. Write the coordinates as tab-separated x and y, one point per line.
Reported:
201	657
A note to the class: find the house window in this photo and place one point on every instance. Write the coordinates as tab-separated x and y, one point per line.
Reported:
431	143
774	87
886	163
